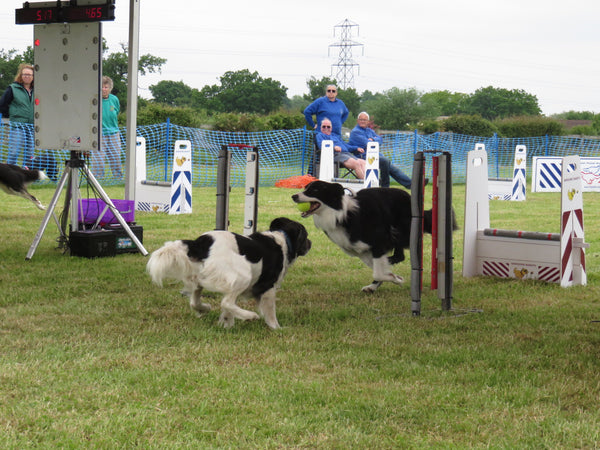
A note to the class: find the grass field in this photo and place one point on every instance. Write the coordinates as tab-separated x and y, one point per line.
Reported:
92	355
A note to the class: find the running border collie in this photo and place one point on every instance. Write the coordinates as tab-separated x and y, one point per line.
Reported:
14	181
234	265
368	224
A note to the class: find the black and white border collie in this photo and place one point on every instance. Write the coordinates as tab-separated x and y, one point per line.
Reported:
369	224
234	265
14	181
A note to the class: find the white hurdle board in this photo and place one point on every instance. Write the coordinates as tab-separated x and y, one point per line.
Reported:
175	196
181	179
551	257
327	167
372	169
546	176
514	188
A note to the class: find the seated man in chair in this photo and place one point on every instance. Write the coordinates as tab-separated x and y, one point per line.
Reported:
342	151
360	137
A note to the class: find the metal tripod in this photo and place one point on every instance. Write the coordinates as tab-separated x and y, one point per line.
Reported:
71	174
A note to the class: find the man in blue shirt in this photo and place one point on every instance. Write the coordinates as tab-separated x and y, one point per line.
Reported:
360	136
329	106
343	153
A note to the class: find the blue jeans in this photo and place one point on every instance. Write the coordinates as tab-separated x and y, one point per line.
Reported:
111	150
20	138
387	169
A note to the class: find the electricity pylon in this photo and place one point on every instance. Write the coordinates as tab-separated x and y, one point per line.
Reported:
345	64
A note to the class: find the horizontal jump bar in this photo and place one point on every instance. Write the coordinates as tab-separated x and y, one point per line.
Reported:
156	183
537	235
347	180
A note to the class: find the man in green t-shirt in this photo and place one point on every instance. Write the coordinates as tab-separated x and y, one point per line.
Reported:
111	139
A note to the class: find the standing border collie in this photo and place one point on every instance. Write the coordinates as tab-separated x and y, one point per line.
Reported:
234	265
14	181
369	224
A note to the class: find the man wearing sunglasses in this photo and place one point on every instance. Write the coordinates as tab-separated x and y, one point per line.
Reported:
342	151
328	106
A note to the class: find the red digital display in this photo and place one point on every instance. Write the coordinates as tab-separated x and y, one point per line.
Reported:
36	15
67	13
87	13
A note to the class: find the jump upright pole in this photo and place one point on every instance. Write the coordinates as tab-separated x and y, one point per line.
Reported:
416	232
442	227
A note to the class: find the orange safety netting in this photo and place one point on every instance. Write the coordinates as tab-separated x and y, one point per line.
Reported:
295	182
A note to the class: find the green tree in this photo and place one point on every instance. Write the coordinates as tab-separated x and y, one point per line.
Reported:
529	126
114	65
496	103
368	100
9	64
596	123
173	93
297	103
351	99
448	103
152	113
575	115
243	91
472	125
400	109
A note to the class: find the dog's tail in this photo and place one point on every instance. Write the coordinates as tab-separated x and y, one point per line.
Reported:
169	261
428	220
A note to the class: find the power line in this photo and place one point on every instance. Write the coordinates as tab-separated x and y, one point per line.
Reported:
345	64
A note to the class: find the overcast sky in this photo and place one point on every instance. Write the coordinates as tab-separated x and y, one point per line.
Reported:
548	48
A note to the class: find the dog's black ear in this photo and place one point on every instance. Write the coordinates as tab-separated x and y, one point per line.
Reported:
199	249
338	188
296	233
335	195
279	223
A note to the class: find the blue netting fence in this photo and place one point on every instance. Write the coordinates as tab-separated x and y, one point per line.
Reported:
287	153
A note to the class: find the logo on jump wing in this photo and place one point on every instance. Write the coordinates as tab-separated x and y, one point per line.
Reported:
590	174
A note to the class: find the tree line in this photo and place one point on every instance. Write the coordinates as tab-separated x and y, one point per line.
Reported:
245	101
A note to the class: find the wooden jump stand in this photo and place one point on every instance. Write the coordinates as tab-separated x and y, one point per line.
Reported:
327	167
510	188
173	197
551	257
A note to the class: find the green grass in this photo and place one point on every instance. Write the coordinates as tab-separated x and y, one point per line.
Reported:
92	355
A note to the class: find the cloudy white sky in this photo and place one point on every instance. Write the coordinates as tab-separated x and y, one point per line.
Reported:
548	48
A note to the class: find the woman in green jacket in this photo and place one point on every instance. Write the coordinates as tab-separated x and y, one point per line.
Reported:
17	104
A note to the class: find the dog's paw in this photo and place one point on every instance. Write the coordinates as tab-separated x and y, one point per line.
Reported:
397	279
369	289
252	316
200	309
273	325
226	320
40	206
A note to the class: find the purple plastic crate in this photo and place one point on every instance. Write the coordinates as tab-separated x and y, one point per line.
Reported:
91	208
